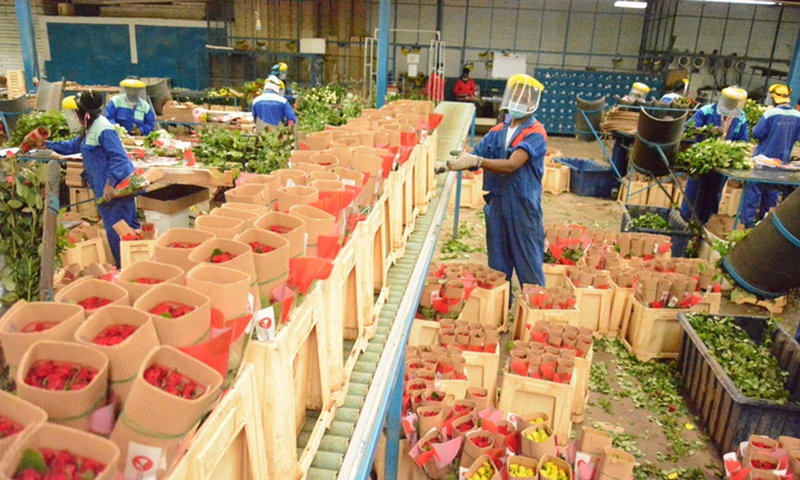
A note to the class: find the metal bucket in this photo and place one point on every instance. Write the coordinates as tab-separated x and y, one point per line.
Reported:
666	132
159	94
594	112
766	261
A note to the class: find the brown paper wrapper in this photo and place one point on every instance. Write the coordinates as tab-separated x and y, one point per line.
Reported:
480	462
16	343
190	329
526	420
470	417
48	435
247	218
156	418
368	164
349	176
344	155
430	468
298	177
328	185
301	156
124	359
220	226
321	175
243	260
532	449
435	421
227	288
251	193
478	395
560	463
69	408
179	256
272	268
290	196
273	182
162	271
593	441
325	160
472	452
259	210
614	464
524	462
90	287
308	167
318	140
296	237
317	222
21	411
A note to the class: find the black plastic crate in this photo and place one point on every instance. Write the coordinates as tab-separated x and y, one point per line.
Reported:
730	417
678	231
589	178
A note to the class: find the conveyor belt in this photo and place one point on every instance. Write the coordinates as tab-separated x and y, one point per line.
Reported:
336	444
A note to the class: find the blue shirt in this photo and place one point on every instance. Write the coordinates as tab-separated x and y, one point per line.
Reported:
120	111
104	157
527	180
777	131
273	109
707	115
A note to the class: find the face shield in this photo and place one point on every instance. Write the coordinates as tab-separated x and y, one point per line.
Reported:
70	110
134	90
522	94
731	102
639	91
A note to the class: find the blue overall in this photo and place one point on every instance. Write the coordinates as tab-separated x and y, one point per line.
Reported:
273	109
777	131
104	160
705	191
120	111
514	230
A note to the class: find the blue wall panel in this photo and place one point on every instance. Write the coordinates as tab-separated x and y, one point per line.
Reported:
173	52
88	54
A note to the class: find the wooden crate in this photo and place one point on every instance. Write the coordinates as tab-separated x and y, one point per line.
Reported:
421	174
16	83
594	305
729	204
424	332
639	197
432	153
230	443
652	333
132	251
409	211
482	370
406	468
85	253
580	397
657	198
521	395
488	307
394	209
620	309
292	377
378	229
525	316
556	179
556	276
87	210
774	306
471	194
453	389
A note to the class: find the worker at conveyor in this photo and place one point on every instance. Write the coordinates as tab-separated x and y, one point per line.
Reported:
777	131
512	157
105	162
130	109
271	107
705	191
281	70
678	91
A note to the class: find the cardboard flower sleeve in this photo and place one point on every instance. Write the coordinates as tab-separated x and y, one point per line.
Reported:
22	412
534	449
71	408
125	358
297	195
295	235
220	226
317	222
561	464
525	462
615	463
93	287
15	343
259	210
145	268
479	463
430	417
252	193
242	259
471	450
226	288
48	435
272	268
189	329
297	177
179	256
156	418
247	218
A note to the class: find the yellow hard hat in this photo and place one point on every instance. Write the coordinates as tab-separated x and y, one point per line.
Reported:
735	93
132	83
522	79
69	103
283	67
780	93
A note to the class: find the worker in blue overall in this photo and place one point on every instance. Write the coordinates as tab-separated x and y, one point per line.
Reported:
512	157
131	109
271	107
777	131
705	191
105	163
678	90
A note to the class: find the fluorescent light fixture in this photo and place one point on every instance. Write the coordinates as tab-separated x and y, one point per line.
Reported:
742	2
630	4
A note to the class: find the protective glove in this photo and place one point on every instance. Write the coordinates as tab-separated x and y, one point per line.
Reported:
464	161
135	130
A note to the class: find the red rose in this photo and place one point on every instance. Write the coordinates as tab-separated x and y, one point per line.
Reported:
54	375
147	281
182	245
280	229
172	382
114	334
38	327
93	303
260	247
171	309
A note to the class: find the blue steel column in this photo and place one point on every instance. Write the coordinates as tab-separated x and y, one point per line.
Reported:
393	419
27	40
794	71
383	51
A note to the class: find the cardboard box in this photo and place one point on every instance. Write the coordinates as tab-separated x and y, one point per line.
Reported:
173	198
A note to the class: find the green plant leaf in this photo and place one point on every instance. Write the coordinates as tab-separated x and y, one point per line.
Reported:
32	460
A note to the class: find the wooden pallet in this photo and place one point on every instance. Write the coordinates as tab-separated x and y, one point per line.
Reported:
524	317
292	376
488	307
230	443
132	251
523	395
556	179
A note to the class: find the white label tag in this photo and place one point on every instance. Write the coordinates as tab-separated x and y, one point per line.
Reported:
265	324
305	244
655	248
351	183
672	302
142	462
289	182
289	163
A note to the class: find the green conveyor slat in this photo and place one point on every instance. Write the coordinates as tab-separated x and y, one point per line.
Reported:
328	459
